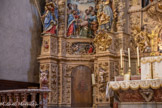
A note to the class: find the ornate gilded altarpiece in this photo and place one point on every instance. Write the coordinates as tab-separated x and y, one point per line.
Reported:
91	33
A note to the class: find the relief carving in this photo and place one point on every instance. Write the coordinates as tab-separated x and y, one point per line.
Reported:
155	12
50	18
44	76
103	77
54	46
102	41
80	48
46	45
66	99
54	84
147	94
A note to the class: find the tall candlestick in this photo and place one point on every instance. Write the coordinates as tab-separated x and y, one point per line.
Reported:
129	57
121	58
93	79
138	56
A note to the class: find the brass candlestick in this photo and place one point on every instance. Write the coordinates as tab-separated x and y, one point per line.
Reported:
121	72
129	71
139	70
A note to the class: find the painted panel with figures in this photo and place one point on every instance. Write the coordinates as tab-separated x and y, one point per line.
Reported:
81	18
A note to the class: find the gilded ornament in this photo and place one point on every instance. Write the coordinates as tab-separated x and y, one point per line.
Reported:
141	38
102	41
153	41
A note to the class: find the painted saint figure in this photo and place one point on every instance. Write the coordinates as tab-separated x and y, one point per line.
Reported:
71	23
105	15
49	20
81	20
93	23
84	24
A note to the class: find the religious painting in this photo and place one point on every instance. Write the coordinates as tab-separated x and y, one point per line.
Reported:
81	18
50	17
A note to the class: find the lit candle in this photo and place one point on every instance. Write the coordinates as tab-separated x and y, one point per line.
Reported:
138	56
93	79
121	58
129	57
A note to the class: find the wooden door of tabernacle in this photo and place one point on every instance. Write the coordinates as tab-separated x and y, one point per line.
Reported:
81	87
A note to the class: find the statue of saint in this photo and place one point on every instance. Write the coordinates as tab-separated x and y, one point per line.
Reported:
71	30
105	15
49	19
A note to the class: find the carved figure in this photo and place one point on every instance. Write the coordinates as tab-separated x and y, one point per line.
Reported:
71	23
49	19
141	38
82	22
102	75
105	15
44	79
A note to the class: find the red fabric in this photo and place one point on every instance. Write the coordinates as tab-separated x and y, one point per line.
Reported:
70	30
139	70
52	30
115	105
90	50
76	16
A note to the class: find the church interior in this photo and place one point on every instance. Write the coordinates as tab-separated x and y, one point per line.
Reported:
80	53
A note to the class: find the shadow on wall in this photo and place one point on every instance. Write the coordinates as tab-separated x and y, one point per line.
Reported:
36	29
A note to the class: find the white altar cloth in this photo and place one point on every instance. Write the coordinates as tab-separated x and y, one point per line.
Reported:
132	84
151	67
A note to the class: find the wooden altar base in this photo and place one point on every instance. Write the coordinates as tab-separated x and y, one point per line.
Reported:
140	95
140	98
139	105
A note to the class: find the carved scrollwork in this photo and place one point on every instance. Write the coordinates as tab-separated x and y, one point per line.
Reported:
54	83
54	46
102	41
155	12
67	84
141	39
103	77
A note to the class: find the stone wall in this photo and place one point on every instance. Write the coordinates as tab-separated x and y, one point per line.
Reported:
20	29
